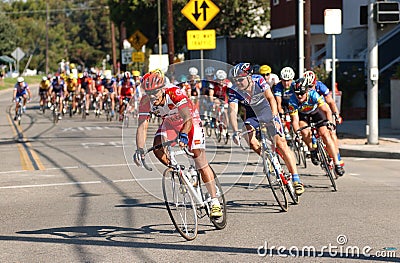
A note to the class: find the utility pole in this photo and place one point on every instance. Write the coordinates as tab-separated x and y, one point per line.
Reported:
47	38
113	47
301	36
170	26
372	80
307	33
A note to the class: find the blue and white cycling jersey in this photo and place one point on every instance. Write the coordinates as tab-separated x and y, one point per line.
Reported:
21	90
322	89
285	93
255	104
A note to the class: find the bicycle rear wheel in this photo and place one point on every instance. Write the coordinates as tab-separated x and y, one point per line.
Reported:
275	183
180	205
327	164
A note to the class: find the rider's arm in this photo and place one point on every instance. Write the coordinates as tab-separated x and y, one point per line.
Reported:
184	112
295	121
233	110
141	133
272	102
332	105
279	104
14	94
325	109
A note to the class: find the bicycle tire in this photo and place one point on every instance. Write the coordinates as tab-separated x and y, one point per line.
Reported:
180	205
275	183
208	129
289	186
218	132
326	164
219	222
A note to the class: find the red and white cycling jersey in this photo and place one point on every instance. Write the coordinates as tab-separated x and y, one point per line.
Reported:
175	100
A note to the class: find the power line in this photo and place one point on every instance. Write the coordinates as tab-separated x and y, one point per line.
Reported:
56	10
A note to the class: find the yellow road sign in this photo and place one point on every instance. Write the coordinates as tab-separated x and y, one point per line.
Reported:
201	39
137	40
200	12
138	57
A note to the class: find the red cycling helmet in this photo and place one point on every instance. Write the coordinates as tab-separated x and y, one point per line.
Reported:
310	77
153	80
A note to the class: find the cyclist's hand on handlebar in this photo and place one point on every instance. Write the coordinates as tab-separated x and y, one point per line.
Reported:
138	157
236	137
278	125
338	118
331	126
183	139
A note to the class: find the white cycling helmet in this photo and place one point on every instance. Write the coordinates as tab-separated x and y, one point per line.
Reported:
193	71
44	78
287	73
209	71
221	74
20	79
310	77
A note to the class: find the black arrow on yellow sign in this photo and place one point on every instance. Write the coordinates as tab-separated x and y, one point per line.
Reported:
203	6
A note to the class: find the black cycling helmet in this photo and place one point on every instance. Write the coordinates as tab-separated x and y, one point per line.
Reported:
301	86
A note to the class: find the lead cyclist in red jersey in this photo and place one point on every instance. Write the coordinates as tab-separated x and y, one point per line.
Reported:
179	119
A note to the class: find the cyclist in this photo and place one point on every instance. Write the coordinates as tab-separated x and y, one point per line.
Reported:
99	91
219	94
323	90
21	88
179	119
72	85
207	103
271	78
283	90
44	88
57	91
110	87
254	93
86	88
308	106
126	89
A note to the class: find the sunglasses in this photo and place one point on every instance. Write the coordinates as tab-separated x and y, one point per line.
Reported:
300	94
265	75
240	79
152	92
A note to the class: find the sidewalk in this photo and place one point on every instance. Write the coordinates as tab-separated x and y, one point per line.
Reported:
353	140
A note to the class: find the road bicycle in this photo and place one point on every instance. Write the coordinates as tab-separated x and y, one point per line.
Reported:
186	197
298	147
126	111
107	108
279	179
55	108
325	160
19	110
220	127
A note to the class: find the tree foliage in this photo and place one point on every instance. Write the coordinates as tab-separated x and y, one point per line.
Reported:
79	30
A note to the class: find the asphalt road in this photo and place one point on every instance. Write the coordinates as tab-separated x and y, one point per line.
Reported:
69	193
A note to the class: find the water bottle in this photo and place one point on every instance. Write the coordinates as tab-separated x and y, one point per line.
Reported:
314	142
193	175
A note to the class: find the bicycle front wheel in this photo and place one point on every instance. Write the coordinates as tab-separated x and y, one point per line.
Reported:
180	205
327	164
275	183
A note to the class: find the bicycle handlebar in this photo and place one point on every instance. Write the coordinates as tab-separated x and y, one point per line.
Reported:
158	146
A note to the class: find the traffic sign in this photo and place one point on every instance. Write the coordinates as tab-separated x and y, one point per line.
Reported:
200	12
138	57
18	54
126	56
137	40
201	39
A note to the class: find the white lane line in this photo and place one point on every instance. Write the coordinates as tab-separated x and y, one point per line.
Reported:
69	167
97	182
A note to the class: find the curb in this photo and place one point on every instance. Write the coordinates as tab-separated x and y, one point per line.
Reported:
368	154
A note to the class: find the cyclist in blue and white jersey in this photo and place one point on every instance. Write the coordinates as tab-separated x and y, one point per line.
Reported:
21	88
254	93
284	89
308	106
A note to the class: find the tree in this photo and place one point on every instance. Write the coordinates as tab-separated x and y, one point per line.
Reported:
7	36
